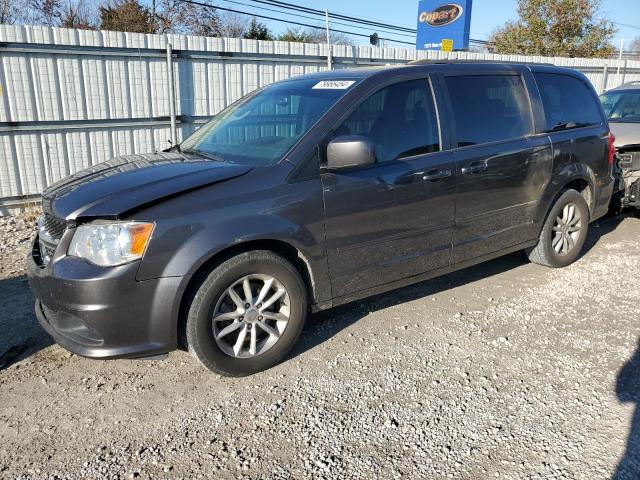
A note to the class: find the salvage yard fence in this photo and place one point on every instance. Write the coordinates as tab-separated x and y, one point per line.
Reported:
73	98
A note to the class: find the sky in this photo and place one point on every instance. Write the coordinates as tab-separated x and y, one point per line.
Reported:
486	16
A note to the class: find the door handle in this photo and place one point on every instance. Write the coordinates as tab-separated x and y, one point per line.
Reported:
433	175
474	167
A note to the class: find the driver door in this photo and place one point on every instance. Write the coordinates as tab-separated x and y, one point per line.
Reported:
393	219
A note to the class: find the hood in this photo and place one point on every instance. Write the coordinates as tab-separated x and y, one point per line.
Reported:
113	188
626	133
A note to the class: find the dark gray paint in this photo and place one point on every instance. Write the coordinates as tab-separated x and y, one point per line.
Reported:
357	231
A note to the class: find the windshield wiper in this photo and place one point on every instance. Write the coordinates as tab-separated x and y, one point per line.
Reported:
202	153
567	126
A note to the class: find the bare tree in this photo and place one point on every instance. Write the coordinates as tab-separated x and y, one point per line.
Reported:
233	25
77	14
191	19
172	16
46	12
12	11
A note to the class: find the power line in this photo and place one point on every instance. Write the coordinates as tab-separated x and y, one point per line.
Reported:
312	18
285	5
335	15
193	2
627	25
321	12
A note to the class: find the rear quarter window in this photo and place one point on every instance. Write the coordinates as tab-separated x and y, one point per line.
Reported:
489	108
568	102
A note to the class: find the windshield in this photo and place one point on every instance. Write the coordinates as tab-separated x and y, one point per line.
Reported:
623	106
262	128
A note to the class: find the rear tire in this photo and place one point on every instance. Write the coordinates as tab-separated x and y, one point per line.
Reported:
251	331
563	233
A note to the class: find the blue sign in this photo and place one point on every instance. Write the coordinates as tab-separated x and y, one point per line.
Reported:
438	21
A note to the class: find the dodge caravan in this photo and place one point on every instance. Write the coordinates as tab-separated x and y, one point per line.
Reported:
313	192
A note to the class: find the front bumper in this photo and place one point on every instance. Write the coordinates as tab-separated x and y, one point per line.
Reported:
105	312
632	195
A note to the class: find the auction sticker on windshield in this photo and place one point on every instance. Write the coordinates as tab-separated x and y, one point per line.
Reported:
334	84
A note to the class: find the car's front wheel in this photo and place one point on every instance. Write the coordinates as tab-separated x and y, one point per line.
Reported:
563	233
247	314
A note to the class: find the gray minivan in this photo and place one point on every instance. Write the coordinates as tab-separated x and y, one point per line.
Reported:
313	192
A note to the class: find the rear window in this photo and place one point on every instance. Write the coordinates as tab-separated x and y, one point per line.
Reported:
567	101
489	108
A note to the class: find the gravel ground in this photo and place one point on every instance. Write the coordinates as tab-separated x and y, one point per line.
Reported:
507	370
15	233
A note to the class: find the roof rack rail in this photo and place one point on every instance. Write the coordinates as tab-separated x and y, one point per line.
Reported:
632	82
445	61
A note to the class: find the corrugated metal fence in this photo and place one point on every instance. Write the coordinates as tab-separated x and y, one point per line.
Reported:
72	98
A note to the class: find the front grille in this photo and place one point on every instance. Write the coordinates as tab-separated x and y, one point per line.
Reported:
43	251
54	226
50	231
634	192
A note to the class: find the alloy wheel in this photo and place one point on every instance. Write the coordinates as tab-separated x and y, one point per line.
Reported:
251	315
566	229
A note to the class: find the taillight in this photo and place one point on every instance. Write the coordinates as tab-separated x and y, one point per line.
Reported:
612	148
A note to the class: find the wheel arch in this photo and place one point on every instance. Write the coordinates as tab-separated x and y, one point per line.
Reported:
282	248
578	177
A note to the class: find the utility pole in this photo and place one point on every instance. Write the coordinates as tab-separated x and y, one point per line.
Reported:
326	22
620	56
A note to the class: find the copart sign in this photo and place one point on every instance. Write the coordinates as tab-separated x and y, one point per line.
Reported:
438	21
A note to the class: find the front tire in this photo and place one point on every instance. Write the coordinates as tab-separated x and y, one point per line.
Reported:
563	233
247	314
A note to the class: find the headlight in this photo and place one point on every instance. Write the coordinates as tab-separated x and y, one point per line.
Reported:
110	244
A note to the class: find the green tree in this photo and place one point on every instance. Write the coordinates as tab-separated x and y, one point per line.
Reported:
258	31
565	28
314	35
127	16
295	35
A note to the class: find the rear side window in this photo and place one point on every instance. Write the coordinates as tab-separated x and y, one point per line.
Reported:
567	102
400	120
489	108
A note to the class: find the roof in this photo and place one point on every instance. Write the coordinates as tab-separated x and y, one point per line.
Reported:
430	66
631	86
472	61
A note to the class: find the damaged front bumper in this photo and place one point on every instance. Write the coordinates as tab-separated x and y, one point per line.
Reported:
629	164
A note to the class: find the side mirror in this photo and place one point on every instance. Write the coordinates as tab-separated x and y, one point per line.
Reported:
350	151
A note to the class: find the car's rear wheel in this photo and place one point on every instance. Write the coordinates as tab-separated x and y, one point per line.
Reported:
247	314
563	233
